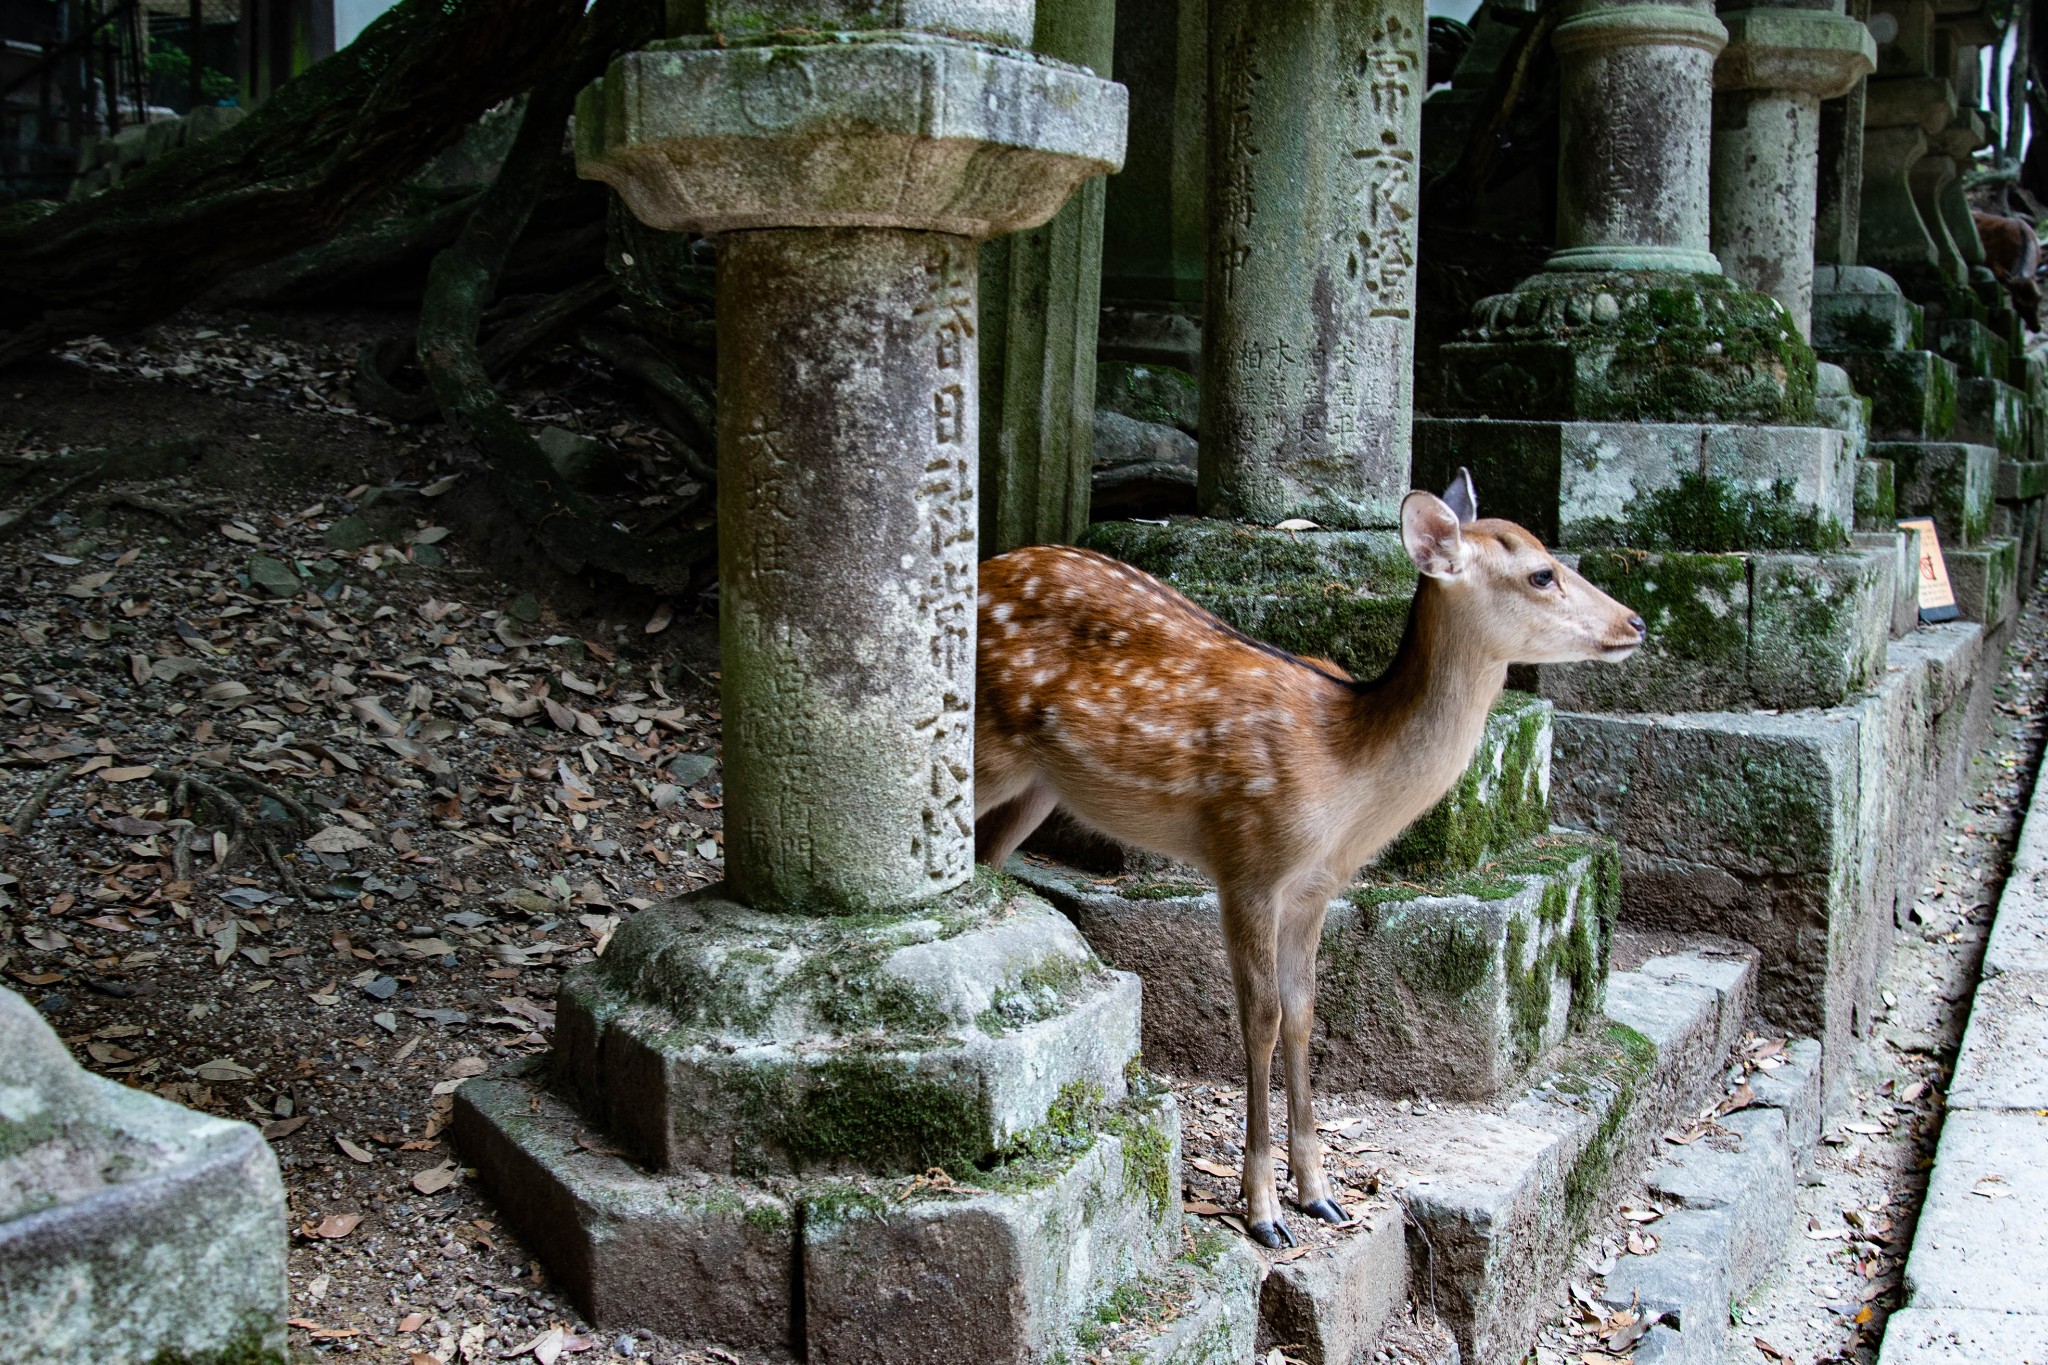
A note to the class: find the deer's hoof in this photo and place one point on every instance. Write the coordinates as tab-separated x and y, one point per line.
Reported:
1273	1236
1329	1210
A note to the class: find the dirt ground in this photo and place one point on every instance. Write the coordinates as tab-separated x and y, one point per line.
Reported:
316	786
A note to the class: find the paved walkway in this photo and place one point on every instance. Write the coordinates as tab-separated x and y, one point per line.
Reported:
1977	1278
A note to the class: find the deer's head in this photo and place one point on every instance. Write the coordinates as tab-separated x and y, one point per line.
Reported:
1501	593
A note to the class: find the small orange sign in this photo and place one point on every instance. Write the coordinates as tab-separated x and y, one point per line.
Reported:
1937	597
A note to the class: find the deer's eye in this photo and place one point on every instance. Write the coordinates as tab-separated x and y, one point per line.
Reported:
1542	578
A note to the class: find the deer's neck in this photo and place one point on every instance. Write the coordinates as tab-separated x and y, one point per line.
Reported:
1428	709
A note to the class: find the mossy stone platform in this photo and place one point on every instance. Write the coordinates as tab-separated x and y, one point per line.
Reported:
716	1038
1991	412
1340	595
1986	579
1912	393
1655	485
1954	482
1729	630
1451	985
740	1103
1075	1226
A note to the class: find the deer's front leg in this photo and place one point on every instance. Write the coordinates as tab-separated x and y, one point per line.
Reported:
1249	925
1300	934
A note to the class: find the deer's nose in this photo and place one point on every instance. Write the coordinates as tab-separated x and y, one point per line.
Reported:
1636	624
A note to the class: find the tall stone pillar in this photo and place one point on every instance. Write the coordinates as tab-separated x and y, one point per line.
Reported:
1041	300
781	1056
1309	317
1769	81
1838	212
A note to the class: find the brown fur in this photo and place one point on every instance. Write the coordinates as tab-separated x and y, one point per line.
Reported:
1102	690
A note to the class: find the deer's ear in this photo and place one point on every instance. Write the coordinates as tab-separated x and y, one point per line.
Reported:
1429	532
1462	498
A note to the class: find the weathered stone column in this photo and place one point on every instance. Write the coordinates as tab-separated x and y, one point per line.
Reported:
1778	66
1309	317
848	418
1041	301
1838	212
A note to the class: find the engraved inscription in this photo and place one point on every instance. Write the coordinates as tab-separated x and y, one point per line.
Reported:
1384	259
1235	207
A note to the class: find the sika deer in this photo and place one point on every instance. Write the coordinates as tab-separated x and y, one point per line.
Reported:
1101	689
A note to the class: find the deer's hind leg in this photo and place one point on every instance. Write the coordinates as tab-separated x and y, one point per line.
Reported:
998	831
1300	933
1249	923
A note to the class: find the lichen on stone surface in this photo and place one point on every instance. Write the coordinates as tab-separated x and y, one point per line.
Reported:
1705	513
1499	799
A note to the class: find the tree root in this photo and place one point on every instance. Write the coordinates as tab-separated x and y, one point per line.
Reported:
25	814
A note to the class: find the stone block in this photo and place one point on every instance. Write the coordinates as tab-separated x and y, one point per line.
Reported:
1983	1250
1501	799
2004	1061
890	131
2022	480
1689	1279
1912	393
131	1228
1328	1307
1750	826
1204	1308
1160	394
1005	1269
1340	595
1991	412
1837	404
1876	502
999	1276
1975	348
1951	481
1858	308
1693	1005
1986	580
1452	986
1818	625
1503	1199
717	1038
1746	1174
699	1257
1793	1089
1963	1336
1653	485
1904	548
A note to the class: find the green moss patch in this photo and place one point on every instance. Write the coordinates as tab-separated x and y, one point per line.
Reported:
1701	512
1499	799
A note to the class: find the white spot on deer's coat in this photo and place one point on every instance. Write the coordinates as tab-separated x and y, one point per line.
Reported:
1002	612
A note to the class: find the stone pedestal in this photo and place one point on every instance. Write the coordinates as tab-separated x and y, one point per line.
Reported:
1769	81
1309	320
131	1229
783	1058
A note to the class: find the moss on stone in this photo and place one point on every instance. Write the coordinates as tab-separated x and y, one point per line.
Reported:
1704	512
1620	1063
1528	992
1148	1159
1446	957
1165	889
1038	994
248	1346
856	1111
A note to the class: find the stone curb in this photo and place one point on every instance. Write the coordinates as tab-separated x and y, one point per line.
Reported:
1974	1275
1729	1205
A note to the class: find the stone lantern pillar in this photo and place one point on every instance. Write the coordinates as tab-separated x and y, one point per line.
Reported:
1632	275
1769	81
1308	337
776	1060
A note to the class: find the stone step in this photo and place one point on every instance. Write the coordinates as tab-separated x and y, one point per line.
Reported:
1498	1200
1859	308
1664	485
1974	347
1912	393
1986	579
2024	522
1455	986
1797	832
1733	631
1963	1336
1904	548
1728	1201
1202	1309
1075	1218
1954	482
1877	500
1993	413
1501	800
1340	595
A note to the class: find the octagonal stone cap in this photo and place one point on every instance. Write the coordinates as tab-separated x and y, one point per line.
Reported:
1594	25
897	131
1807	51
1009	22
1926	102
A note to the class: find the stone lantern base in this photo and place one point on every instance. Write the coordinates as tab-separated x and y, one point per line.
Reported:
913	1137
1628	346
